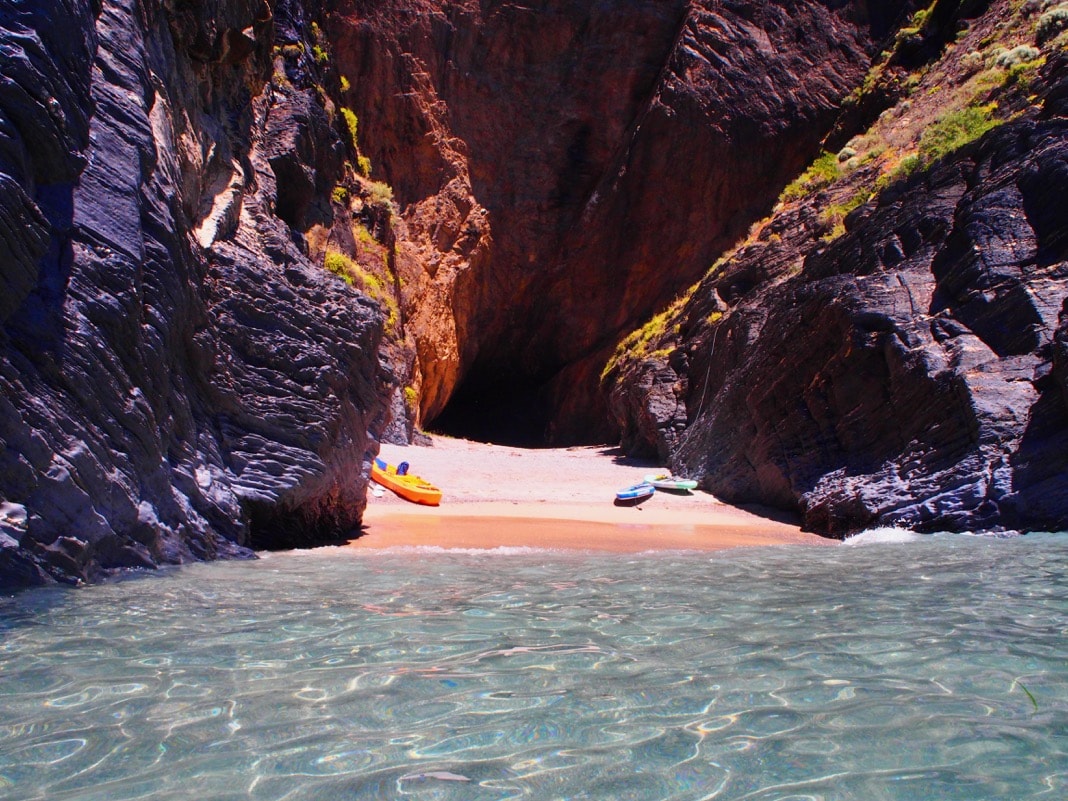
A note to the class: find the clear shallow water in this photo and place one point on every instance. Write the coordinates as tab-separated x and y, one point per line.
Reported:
933	669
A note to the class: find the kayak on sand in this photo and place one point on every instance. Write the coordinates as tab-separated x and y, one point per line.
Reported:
400	481
635	493
666	481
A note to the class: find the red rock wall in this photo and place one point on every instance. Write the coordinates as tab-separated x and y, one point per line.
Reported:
565	169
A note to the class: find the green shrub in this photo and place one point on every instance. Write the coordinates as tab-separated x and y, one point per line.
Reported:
905	167
340	194
362	235
340	265
835	214
355	276
636	346
364	165
381	193
973	62
345	85
822	172
1018	71
955	130
320	54
1017	56
352	124
914	26
837	211
908	165
372	283
1051	23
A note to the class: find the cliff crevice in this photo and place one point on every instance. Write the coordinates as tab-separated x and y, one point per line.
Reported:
553	163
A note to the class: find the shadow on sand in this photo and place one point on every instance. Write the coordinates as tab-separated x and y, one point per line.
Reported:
617	455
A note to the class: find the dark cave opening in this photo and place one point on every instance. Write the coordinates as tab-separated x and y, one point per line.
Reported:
497	406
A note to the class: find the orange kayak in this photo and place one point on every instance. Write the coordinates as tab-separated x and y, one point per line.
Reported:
411	488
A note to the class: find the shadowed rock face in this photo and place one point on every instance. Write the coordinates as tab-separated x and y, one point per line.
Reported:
564	168
912	372
178	382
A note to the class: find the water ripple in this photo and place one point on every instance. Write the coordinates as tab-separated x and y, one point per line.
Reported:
933	669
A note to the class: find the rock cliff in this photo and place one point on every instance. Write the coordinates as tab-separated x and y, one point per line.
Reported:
240	241
563	168
887	347
178	380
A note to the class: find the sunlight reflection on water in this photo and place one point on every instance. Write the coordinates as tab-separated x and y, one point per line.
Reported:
928	668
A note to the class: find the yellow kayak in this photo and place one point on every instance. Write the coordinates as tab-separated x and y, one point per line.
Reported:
411	488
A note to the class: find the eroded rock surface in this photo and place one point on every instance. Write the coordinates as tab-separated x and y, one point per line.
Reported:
565	168
908	372
178	381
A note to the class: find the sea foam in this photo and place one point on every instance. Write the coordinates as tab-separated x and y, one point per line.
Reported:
881	535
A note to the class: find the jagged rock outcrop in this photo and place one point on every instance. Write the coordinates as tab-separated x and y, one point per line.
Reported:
564	168
182	379
906	370
178	380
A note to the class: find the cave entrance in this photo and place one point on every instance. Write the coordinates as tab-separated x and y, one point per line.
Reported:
500	407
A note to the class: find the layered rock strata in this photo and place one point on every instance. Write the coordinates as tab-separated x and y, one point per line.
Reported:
178	381
906	370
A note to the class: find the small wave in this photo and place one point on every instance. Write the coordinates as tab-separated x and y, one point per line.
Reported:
500	550
881	535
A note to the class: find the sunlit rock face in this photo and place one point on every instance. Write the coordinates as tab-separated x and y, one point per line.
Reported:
910	371
565	168
178	381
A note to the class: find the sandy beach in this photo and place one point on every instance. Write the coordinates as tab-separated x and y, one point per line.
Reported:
560	498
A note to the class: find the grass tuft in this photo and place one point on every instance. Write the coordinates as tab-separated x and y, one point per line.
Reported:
355	276
352	125
822	172
955	130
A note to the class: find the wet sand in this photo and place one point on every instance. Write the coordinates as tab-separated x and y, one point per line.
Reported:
498	496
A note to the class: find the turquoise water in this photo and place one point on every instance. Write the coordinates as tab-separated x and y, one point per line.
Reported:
931	669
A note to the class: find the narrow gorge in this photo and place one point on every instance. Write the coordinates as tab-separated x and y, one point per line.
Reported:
564	169
811	253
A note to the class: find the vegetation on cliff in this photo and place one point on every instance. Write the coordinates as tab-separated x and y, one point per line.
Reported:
354	233
544	215
942	106
943	167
